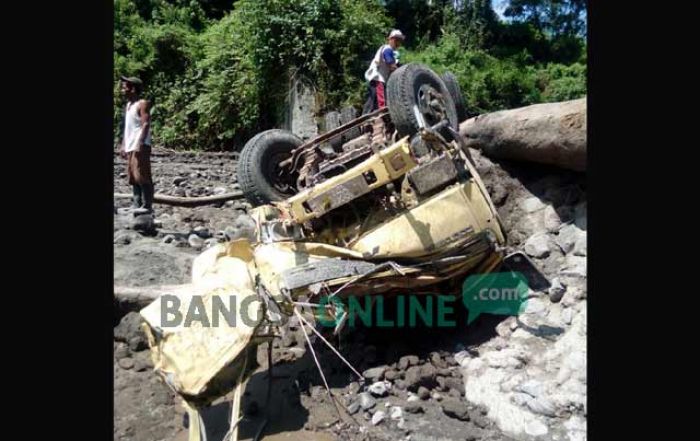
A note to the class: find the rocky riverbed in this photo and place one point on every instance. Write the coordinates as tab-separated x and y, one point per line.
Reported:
499	378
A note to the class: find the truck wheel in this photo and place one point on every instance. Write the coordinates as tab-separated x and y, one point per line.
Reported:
453	86
418	97
261	179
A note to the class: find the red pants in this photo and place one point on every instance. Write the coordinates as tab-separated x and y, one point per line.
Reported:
376	98
381	101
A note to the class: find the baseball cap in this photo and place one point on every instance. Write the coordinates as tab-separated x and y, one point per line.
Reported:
132	80
397	34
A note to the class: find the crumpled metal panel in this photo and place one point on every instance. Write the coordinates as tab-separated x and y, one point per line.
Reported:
339	195
310	273
433	174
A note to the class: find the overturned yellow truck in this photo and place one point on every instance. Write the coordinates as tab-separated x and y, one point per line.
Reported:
387	202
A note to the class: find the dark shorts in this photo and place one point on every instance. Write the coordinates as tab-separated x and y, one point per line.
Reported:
139	166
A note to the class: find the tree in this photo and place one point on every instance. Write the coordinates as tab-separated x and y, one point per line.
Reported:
555	17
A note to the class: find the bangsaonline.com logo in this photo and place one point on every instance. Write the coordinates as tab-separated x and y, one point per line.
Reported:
495	293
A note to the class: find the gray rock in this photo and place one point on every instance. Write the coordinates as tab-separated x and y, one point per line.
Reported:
455	383
437	361
581	245
567	237
144	224
536	428
391	375
417	376
297	352
454	393
479	420
378	417
121	351
572	297
552	222
302	102
179	180
542	406
567	315
353	387
219	190
499	194
520	398
231	233
537	246
124	237
169	238
126	363
375	373
441	383
455	409
137	343
129	327
142	362
379	388
353	407
423	393
532	204
407	361
396	413
414	407
195	241
202	232
462	357
366	401
575	266
533	388
535	307
556	290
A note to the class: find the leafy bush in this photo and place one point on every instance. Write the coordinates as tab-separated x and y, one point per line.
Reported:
215	83
489	83
218	71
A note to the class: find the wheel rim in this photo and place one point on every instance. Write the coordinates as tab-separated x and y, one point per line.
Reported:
431	104
279	178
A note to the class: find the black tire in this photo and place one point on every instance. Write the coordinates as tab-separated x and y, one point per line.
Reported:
258	175
333	121
404	91
453	86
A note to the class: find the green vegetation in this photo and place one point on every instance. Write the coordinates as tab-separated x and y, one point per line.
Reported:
218	71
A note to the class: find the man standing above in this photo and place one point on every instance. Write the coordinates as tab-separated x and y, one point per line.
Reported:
384	62
136	145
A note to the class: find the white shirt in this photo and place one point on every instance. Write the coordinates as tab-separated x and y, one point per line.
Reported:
132	127
378	69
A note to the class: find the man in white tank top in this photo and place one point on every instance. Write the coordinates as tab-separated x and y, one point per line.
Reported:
136	145
385	61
